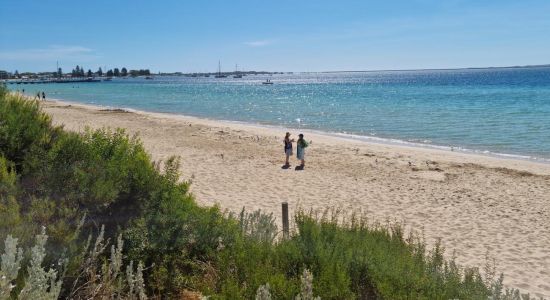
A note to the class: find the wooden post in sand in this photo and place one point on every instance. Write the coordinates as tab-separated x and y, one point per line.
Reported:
285	220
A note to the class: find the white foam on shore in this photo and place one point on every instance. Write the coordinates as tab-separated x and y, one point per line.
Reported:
441	147
343	135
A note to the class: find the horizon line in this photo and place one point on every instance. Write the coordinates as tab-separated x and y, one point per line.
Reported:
383	70
434	69
346	71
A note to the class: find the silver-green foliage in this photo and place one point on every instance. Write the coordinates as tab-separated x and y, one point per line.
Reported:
258	226
306	288
96	279
106	280
39	284
11	263
263	292
136	284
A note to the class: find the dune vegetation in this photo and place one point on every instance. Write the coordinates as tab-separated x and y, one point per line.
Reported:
90	215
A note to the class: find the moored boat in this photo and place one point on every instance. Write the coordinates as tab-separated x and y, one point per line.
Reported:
237	73
220	75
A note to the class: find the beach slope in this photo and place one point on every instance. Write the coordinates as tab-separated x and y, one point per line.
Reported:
476	205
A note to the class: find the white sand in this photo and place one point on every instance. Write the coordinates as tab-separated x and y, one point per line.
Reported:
475	204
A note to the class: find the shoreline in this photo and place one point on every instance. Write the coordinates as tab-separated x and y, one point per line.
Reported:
475	204
542	162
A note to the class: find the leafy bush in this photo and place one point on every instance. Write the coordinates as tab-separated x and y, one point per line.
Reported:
26	133
9	207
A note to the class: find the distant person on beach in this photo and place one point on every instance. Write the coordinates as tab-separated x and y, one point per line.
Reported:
301	146
43	96
37	96
288	148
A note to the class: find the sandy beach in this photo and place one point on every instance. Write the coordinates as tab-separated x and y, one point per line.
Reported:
476	204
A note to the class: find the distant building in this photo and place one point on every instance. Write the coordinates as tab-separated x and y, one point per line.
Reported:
4	75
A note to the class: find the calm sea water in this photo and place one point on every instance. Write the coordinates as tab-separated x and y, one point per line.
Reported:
499	111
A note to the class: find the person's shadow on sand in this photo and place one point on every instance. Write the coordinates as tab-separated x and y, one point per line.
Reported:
299	168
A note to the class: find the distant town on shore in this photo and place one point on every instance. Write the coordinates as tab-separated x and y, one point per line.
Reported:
81	72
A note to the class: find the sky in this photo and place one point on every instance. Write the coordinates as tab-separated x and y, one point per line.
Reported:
282	35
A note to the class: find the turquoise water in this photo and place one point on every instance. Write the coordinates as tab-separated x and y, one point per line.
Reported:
499	111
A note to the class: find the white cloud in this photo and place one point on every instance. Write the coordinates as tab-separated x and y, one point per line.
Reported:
53	52
259	43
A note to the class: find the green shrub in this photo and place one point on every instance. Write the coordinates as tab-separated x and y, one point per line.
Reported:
26	133
9	207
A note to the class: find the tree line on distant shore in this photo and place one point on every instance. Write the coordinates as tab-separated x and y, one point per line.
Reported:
78	71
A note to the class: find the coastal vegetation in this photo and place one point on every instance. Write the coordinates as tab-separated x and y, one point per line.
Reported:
76	72
90	215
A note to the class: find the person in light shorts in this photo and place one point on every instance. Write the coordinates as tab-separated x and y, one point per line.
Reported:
301	146
288	148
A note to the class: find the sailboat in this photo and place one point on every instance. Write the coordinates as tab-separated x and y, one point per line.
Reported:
220	75
237	73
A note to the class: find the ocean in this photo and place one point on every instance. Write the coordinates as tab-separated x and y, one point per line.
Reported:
497	111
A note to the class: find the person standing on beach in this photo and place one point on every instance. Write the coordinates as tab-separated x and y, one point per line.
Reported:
43	96
37	96
301	146
288	148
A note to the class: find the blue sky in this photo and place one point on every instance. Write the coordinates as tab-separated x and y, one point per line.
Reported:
282	35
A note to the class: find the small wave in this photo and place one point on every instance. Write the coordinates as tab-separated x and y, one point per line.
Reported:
416	144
